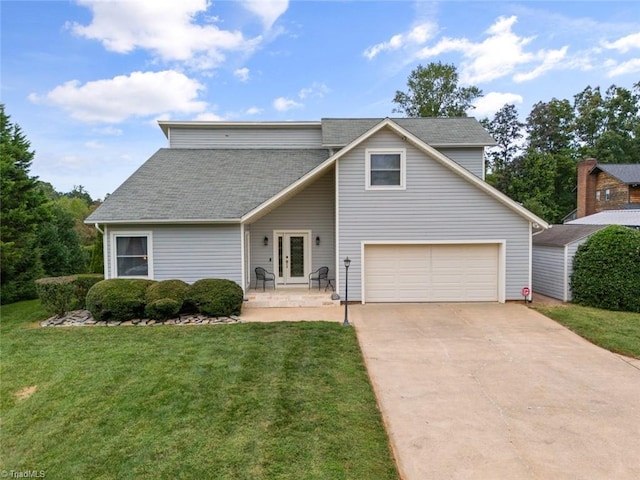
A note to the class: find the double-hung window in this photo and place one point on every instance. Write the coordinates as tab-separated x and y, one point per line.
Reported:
385	169
132	255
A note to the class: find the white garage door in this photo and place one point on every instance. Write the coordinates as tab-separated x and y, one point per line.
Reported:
431	273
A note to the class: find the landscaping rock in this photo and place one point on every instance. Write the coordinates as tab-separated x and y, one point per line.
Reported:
83	318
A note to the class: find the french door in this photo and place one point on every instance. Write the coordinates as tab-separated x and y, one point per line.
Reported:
292	256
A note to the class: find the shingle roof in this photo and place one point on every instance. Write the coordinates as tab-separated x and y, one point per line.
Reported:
437	132
561	235
201	184
628	173
629	218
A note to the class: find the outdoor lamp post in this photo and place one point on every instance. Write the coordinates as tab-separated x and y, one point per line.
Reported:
347	262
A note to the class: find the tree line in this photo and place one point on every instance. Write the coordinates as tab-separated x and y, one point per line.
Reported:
535	161
41	230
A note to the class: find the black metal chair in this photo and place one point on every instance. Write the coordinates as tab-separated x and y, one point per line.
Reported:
264	276
318	276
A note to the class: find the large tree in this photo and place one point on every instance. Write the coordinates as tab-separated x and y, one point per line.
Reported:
433	91
608	126
507	130
24	210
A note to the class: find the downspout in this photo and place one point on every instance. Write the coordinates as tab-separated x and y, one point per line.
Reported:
98	228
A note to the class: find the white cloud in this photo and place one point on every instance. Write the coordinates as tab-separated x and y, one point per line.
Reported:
253	111
139	94
624	44
268	10
416	36
282	104
167	28
497	56
549	58
489	104
242	74
94	144
316	89
208	117
624	68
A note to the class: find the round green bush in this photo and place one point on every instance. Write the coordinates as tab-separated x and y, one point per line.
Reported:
165	299
606	270
162	309
215	297
118	299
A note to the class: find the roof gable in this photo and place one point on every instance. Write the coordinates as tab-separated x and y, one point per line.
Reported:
421	145
202	185
437	132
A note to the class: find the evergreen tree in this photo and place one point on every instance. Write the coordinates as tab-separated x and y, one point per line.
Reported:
23	210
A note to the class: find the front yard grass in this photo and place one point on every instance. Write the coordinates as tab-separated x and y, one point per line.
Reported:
243	401
618	332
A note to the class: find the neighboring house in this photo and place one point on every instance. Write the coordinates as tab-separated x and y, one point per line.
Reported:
626	218
607	186
553	252
404	199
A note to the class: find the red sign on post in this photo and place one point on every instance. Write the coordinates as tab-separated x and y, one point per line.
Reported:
525	291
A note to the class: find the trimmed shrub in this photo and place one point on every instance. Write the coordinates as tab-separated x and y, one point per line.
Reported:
118	299
162	309
215	297
57	294
165	299
83	283
606	270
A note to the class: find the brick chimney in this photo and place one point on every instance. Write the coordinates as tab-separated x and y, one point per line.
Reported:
586	187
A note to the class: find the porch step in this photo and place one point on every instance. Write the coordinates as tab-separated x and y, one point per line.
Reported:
289	298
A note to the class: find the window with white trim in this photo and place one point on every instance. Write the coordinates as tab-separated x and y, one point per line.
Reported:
132	255
385	169
607	195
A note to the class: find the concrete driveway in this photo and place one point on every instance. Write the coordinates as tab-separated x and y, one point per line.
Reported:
491	391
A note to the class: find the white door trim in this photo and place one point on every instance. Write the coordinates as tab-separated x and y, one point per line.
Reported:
285	279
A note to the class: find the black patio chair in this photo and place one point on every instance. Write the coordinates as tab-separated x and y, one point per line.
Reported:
264	276
321	274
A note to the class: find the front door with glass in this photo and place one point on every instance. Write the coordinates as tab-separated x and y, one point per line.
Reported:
292	256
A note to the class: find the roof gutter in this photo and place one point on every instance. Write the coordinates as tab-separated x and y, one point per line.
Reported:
202	221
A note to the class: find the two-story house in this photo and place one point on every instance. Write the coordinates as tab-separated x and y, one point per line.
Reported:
607	186
404	199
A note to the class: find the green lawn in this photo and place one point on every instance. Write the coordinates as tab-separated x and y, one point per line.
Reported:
615	331
242	401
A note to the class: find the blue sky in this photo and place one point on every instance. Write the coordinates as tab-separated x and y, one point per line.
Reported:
88	80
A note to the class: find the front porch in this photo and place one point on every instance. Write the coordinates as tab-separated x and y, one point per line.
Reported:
289	297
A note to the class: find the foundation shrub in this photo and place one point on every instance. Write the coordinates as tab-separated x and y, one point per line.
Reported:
215	297
165	299
118	299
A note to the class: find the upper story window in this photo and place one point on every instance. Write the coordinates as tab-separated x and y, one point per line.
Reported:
131	253
385	169
607	195
598	195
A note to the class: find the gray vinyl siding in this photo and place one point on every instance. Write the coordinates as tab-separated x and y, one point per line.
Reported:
190	253
548	272
312	209
437	205
550	277
470	158
301	137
